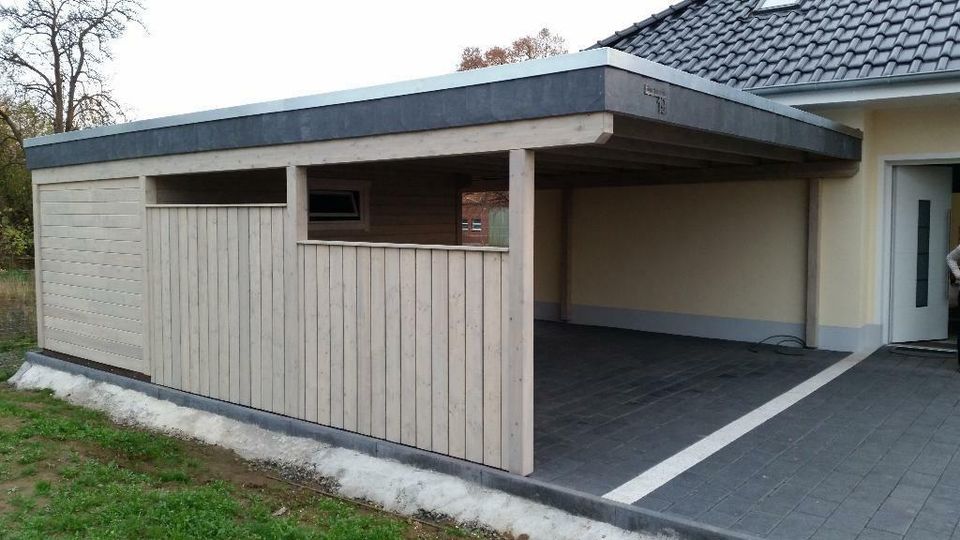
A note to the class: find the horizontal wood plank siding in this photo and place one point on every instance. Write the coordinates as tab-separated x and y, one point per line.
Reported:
90	246
390	322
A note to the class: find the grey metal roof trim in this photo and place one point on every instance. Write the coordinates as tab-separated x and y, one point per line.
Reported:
908	78
595	58
557	64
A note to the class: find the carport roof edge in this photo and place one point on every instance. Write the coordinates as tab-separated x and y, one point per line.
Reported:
572	78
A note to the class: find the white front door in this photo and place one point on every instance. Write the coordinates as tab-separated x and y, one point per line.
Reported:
921	220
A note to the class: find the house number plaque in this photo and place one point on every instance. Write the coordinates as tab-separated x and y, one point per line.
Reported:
660	95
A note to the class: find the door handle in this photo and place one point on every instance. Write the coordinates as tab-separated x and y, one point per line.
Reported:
949	249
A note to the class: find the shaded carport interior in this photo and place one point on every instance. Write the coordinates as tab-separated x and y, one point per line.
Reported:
643	124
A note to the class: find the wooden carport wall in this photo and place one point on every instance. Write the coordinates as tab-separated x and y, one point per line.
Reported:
519	138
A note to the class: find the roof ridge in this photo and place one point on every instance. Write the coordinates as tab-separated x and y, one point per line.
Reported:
656	17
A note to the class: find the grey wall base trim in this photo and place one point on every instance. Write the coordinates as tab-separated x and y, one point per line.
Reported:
546	311
832	338
581	504
843	338
683	324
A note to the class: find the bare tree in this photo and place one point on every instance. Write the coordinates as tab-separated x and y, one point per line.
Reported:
543	44
51	53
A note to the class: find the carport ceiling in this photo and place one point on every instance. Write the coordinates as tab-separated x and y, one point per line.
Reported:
638	152
663	125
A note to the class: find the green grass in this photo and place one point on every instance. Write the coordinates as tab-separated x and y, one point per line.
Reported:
69	472
12	353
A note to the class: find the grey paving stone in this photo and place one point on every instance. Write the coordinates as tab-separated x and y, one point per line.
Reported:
851	516
758	487
718	519
939	516
817	507
784	499
734	505
874	534
911	493
758	523
946	491
917	479
826	533
796	526
653	503
895	515
837	486
699	501
916	533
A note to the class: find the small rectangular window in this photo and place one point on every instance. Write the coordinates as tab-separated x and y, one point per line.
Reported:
923	253
464	224
477	226
338	204
334	205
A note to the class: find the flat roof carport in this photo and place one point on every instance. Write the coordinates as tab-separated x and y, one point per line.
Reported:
634	114
598	118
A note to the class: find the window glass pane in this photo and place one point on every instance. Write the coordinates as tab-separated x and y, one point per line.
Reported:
476	224
773	4
923	253
331	205
464	225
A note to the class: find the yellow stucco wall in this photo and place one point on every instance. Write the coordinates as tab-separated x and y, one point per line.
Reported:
546	250
723	249
739	249
852	207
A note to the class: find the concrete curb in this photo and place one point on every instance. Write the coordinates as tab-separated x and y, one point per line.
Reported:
621	515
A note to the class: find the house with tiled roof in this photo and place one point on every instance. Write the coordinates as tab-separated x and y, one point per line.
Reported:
776	171
786	46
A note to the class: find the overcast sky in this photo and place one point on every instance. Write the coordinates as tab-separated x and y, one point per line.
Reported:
204	54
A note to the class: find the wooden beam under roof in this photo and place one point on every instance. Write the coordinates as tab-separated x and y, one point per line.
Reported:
630	146
773	171
624	160
641	130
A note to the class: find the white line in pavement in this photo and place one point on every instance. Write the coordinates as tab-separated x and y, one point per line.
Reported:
670	468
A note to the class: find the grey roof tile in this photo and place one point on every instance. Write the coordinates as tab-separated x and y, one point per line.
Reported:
815	41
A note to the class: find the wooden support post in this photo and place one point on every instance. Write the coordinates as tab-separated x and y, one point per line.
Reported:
295	230
148	195
518	373
38	278
566	254
813	264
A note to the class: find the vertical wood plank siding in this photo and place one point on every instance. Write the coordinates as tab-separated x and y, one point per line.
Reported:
399	342
412	337
214	315
90	262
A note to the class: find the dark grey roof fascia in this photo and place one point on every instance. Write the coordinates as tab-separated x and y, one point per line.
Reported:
557	64
642	66
890	80
533	68
571	84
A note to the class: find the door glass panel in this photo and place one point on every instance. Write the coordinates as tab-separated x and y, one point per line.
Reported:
923	253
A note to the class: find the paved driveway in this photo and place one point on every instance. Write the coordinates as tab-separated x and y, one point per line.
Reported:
611	403
872	454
